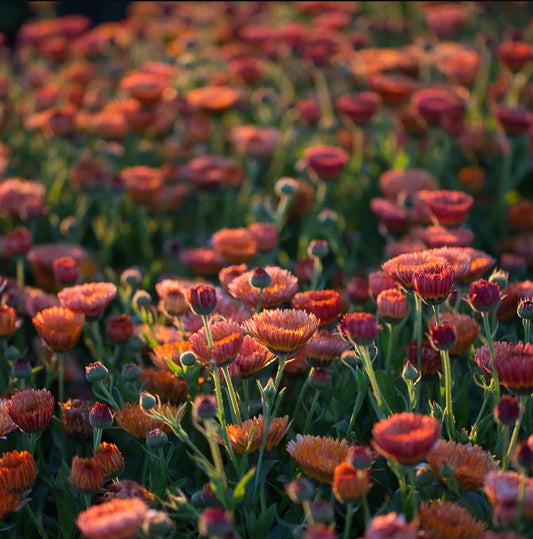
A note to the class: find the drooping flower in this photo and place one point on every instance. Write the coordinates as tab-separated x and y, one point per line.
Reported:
32	409
406	437
282	331
283	287
114	519
318	456
227	338
324	304
17	471
469	463
249	435
59	327
442	520
91	299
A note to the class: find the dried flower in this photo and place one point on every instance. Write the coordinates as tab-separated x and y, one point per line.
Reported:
443	520
248	437
75	418
59	327
318	456
114	519
17	471
406	437
227	337
32	409
91	299
469	463
282	331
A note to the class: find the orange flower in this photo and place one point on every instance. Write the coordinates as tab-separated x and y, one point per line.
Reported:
164	384
59	327
282	331
318	456
402	267
327	162
433	282
133	420
439	236
249	435
8	321
265	235
91	299
323	348
147	88
449	207
9	503
227	338
514	54
171	351
75	418
466	329
32	409
235	245
115	519
470	464
469	264
17	471
283	287
514	364
213	99
127	489
86	475
442	520
109	458
360	108
406	437
324	304
392	305
252	357
396	183
349	483
390	526
6	423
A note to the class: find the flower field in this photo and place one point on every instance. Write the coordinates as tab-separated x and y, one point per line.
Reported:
267	272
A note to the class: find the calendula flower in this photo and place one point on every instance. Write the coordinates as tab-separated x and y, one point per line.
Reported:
252	357
392	305
282	331
282	288
318	456
32	409
115	519
395	183
390	526
265	235
235	245
86	475
164	384
75	418
406	437
349	483
168	351
503	490
402	267
59	327
91	299
433	282
6	423
324	304
514	54
227	338
439	236
378	281
109	458
470	463
323	348
133	420
514	364
126	489
466	330
358	328
9	503
17	471
8	321
213	99
327	162
443	520
249	435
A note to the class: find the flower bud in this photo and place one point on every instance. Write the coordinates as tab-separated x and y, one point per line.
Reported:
410	372
443	337
319	379
318	248
202	299
523	456
215	521
130	372
484	296
100	416
204	407
358	328
392	305
260	278
21	368
141	298
131	278
12	353
157	524
321	511
525	308
156	438
500	277
146	400
8	321
327	217
286	187
119	329
18	241
96	372
506	412
360	457
66	271
300	490
188	358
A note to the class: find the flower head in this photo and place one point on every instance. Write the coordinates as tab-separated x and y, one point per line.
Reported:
165	384
249	435
443	519
324	304
8	321
327	162
86	475
323	348
502	489
17	471
402	267
252	357
469	463
282	331
514	364
433	282
114	519
59	327
390	526
466	330
91	299
406	437
6	423
484	296
318	456
392	305
32	409
235	245
133	420
109	458
349	483
358	328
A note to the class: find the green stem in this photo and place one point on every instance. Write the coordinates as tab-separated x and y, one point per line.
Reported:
390	346
488	335
282	359
410	472
348	521
527	329
246	393
516	431
36	521
61	375
218	393
447	368
311	412
384	408
97	437
20	272
232	395
418	337
505	445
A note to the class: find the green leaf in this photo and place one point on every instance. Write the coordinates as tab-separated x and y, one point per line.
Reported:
240	489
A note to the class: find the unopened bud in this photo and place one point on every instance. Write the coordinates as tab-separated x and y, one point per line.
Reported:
96	372
260	278
147	400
